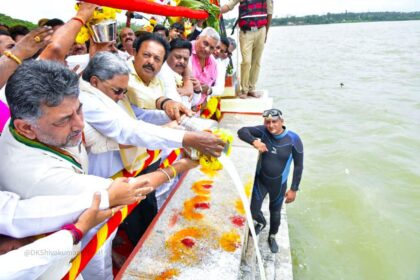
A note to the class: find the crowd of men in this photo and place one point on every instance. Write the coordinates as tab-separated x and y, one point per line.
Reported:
84	128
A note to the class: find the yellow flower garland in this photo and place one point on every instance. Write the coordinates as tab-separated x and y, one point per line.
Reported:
210	164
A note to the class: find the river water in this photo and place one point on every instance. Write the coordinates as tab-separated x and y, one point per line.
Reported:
357	215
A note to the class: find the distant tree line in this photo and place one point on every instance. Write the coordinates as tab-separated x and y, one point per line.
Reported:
291	20
339	18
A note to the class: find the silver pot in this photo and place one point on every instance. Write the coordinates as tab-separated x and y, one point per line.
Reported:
104	31
197	123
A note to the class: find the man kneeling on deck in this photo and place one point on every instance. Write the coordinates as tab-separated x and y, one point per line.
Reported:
278	147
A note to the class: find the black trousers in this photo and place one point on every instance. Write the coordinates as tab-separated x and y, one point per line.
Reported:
136	224
276	192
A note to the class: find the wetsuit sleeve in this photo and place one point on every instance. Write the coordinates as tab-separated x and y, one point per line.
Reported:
297	153
250	133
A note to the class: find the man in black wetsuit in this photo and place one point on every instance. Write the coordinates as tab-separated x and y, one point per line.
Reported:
279	147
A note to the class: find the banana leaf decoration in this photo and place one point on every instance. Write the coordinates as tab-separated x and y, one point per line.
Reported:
210	7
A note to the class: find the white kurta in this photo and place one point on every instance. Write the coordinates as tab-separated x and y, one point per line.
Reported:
49	213
103	114
31	172
109	119
46	258
169	79
219	86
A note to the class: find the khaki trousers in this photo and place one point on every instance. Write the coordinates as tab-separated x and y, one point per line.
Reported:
252	46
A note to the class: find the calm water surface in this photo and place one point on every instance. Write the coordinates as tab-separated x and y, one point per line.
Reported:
358	214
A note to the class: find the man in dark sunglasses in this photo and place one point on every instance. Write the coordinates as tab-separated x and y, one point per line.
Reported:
279	147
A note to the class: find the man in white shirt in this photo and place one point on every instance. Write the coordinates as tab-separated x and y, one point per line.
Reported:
41	150
49	213
127	38
222	60
176	75
48	257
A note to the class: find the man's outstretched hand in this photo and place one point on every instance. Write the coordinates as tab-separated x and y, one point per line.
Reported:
175	110
205	142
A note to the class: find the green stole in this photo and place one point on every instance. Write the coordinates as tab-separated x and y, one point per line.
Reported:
38	145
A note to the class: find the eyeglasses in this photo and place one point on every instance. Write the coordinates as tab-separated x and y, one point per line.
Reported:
272	113
119	91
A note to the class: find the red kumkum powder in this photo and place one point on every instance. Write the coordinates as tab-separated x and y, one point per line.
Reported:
202	205
238	221
188	242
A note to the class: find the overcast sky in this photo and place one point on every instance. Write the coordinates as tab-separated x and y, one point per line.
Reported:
33	10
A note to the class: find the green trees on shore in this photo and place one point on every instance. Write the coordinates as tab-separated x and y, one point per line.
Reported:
340	18
346	17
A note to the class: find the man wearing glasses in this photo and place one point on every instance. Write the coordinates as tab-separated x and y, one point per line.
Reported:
279	147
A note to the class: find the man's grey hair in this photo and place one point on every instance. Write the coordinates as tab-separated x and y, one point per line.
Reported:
211	32
105	66
36	83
